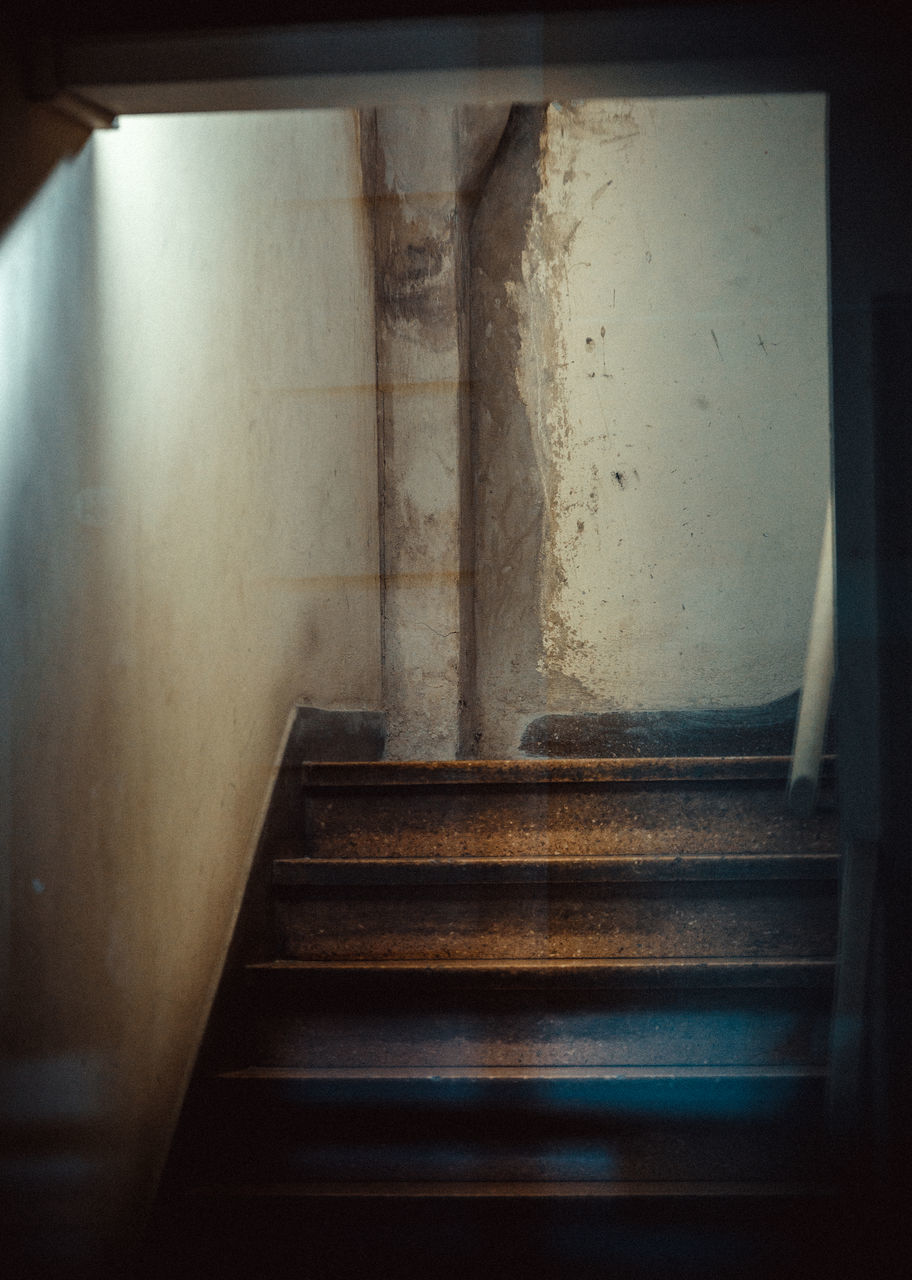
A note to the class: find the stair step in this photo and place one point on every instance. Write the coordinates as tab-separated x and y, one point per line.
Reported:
579	973
512	1124
614	869
529	1027
528	809
606	1076
592	993
539	918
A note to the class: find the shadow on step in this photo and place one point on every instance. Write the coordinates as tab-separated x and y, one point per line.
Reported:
641	1238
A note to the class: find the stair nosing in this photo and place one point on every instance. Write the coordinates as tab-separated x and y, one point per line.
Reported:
649	1071
604	869
537	770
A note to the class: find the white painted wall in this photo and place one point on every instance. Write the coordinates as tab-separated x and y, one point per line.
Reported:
654	462
189	544
684	426
189	525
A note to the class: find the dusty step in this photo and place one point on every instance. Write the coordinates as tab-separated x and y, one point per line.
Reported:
641	1191
508	1124
433	910
537	771
526	1027
574	809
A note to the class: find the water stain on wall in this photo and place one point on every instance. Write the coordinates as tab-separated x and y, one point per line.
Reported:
510	497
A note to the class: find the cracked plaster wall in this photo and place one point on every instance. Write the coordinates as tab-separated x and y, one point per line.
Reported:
649	327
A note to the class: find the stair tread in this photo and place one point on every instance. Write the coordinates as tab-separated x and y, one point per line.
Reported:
401	978
291	870
539	770
546	967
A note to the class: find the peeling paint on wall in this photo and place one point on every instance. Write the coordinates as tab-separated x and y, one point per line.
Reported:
650	374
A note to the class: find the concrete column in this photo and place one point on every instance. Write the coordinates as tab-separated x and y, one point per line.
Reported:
423	167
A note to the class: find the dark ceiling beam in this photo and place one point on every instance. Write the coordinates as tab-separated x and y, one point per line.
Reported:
511	57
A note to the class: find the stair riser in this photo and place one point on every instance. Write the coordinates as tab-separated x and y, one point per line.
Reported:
569	820
335	1238
499	1129
333	981
529	1029
559	921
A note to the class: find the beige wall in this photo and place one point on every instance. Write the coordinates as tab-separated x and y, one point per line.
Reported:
651	499
188	517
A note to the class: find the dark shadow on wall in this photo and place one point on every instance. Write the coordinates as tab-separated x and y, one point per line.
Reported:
61	1006
33	140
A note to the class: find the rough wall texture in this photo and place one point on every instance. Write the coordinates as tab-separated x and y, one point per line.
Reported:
650	365
423	167
511	484
188	465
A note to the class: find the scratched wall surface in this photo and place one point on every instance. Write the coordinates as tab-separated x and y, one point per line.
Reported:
424	166
670	403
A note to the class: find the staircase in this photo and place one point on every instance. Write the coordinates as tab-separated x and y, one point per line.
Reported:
539	1017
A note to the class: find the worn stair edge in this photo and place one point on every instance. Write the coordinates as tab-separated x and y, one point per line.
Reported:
519	1190
646	1072
618	973
606	869
423	773
671	1095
